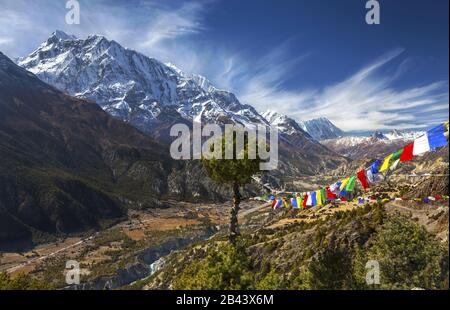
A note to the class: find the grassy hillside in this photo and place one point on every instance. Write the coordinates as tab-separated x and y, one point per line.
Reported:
328	253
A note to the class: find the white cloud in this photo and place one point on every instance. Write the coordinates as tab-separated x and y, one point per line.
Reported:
147	26
367	97
5	41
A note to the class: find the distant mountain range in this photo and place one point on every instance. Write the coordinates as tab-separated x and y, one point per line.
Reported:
377	145
318	128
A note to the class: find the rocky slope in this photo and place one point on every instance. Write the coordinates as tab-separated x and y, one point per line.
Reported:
319	249
67	166
153	96
131	86
321	128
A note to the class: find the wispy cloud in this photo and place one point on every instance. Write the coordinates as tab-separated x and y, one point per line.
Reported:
148	26
168	25
367	98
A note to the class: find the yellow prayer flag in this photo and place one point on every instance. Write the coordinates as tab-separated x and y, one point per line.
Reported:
344	183
318	198
385	164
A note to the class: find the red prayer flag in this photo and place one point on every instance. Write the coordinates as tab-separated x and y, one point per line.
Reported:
330	194
305	198
362	178
407	152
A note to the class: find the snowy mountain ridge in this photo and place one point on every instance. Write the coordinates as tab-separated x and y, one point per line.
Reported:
318	128
130	85
321	128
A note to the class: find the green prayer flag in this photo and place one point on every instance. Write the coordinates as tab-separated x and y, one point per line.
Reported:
323	194
397	155
351	184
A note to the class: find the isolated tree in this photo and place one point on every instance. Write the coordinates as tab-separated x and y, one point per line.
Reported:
237	173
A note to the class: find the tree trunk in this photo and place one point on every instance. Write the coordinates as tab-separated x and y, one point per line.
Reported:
234	228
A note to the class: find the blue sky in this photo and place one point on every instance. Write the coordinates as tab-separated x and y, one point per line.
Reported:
302	58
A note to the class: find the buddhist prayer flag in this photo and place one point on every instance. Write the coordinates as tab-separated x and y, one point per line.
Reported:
294	203
421	145
309	200
396	155
370	176
375	168
394	165
407	153
330	194
305	199
318	198
344	184
436	137
374	178
323	195
351	184
385	164
274	204
362	178
277	203
335	188
313	199
299	201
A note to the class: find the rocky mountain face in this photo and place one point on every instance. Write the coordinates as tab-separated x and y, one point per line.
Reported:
137	89
378	145
284	123
321	128
153	96
67	166
300	153
317	129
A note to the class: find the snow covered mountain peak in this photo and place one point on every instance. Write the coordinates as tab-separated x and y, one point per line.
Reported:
284	123
396	134
61	35
318	128
378	144
130	85
274	117
321	128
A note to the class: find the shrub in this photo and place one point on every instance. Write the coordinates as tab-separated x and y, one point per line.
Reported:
225	267
408	257
22	282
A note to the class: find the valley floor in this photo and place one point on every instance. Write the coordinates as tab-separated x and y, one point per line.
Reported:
176	231
102	253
